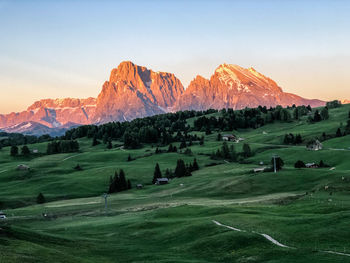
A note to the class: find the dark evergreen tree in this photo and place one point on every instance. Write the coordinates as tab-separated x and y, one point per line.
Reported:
129	184
298	139
279	163
157	174
201	142
183	144
219	138
247	152
14	150
129	158
195	165
180	169
95	141
25	150
299	164
324	113
40	199
317	116
225	150
338	133
109	145
123	185
78	167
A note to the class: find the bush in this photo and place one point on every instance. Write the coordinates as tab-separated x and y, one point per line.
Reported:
40	199
299	164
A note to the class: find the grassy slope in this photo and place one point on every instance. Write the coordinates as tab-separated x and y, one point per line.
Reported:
173	223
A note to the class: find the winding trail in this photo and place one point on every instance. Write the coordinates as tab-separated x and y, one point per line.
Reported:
69	157
274	241
2	171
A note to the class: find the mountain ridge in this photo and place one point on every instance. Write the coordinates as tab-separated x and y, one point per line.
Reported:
134	91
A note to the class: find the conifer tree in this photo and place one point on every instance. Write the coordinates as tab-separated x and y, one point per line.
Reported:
14	150
195	165
25	150
180	169
40	199
157	174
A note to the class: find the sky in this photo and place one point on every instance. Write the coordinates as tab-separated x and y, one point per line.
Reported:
57	49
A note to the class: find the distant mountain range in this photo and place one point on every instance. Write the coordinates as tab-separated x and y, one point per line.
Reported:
133	91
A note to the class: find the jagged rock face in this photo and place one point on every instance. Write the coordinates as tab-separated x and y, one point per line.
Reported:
53	113
232	86
133	91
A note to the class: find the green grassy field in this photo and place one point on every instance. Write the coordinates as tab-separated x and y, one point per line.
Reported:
307	210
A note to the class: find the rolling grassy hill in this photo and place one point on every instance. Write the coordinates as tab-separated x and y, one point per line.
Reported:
304	209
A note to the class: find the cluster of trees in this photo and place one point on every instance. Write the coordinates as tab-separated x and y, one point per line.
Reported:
333	104
62	146
324	115
154	129
181	170
248	118
16	139
300	111
118	183
291	139
14	150
225	152
229	153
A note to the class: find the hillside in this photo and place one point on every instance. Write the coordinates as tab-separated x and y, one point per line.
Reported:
193	218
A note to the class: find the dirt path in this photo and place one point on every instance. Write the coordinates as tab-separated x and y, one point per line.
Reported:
275	242
65	159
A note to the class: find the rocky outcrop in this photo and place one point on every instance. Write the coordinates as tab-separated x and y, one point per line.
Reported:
133	91
232	86
53	113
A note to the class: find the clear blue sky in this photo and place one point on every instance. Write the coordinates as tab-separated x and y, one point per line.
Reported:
68	48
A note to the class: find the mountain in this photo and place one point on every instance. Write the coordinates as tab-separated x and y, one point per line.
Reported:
53	113
134	91
232	86
35	128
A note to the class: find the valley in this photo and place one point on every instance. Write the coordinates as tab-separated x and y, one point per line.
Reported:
294	215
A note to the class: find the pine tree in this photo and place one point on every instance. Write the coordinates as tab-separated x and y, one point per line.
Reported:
247	152
233	155
317	116
180	169
14	150
201	142
298	139
25	150
95	141
338	133
324	114
219	138
129	158
299	164
109	145
157	174
279	163
195	165
225	150
40	199
122	181
129	184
